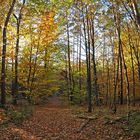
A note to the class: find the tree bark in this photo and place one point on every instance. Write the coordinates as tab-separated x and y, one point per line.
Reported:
16	84
3	72
69	65
132	65
87	66
80	70
95	80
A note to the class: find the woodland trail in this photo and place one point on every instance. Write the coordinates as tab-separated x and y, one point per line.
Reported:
55	121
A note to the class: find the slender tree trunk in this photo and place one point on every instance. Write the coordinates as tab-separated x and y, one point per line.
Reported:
121	75
80	70
138	59
115	84
35	65
30	70
87	66
12	87
67	74
127	85
73	70
132	65
133	75
118	29
95	80
119	59
3	72
30	67
89	56
135	10
69	65
15	92
103	69
108	96
45	60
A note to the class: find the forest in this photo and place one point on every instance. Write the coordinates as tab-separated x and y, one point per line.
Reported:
69	69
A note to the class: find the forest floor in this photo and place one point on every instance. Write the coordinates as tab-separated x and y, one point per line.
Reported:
57	121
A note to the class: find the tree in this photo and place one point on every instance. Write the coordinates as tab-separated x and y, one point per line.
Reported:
3	72
18	21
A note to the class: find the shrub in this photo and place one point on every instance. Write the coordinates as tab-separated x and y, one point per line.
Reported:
17	116
133	126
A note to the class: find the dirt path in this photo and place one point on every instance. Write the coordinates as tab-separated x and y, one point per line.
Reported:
57	122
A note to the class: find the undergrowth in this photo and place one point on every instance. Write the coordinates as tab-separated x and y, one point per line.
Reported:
133	125
18	115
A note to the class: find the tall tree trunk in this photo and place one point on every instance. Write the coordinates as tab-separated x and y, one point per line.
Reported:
119	59
45	60
103	68
121	74
30	70
73	70
116	76
35	65
136	52
87	66
127	85
135	10
118	29
12	87
108	95
95	80
67	74
69	65
132	65
89	55
30	67
15	91
3	72
135	17
80	70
